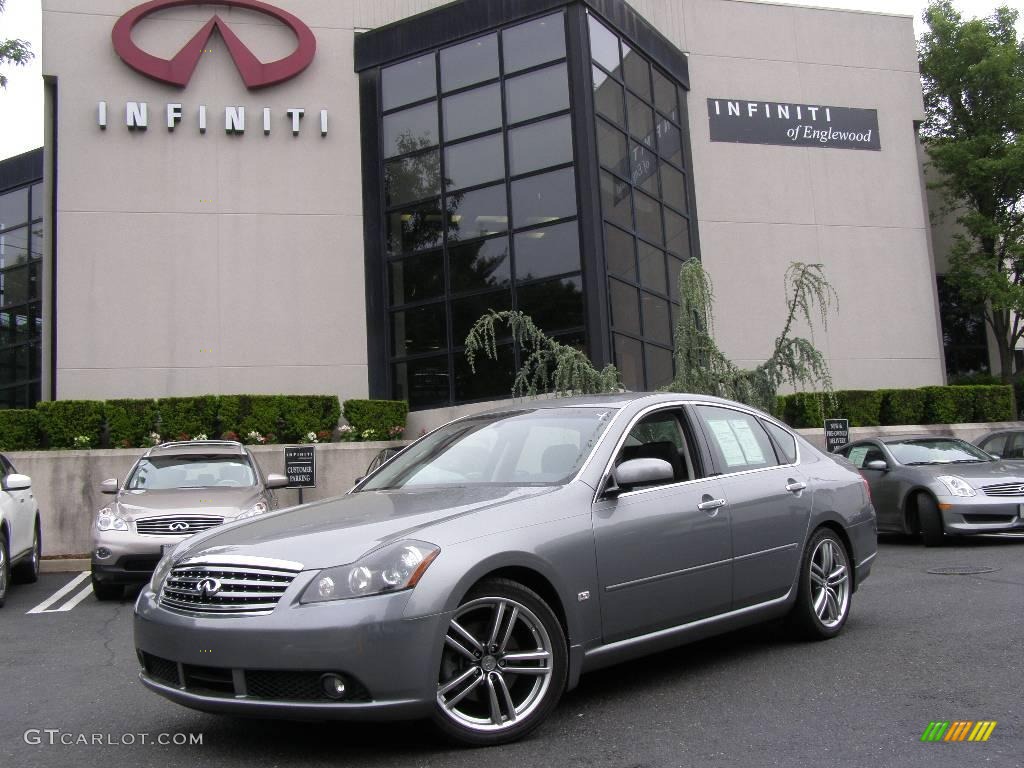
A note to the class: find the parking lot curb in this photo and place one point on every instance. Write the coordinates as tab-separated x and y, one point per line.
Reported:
63	565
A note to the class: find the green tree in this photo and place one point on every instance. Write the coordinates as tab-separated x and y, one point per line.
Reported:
973	77
13	51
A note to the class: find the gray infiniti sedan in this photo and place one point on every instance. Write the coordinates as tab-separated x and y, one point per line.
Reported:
473	578
939	485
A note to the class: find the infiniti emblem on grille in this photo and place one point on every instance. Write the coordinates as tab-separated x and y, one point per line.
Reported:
179	526
208	587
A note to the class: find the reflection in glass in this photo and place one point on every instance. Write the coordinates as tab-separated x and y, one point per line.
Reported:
674	267
625	307
414	228
412	178
604	46
619	249
474	162
612	149
664	94
616	201
490	379
543	198
643	168
534	42
410	129
467	311
637	71
479	265
478	213
656	320
14	208
554	305
641	120
628	361
37	201
648	217
670	142
546	252
540	145
470	62
609	98
677	230
673	187
659	366
408	82
538	93
422	382
423	329
416	279
652	268
14	247
472	112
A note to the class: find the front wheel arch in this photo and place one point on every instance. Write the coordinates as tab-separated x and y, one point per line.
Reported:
911	521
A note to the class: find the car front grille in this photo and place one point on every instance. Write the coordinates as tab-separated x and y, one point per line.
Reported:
176	525
235	587
1004	489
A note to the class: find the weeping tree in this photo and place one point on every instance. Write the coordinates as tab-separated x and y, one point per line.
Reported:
702	368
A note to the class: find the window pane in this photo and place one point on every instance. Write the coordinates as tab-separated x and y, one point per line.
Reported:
670	142
414	228
664	94
477	213
652	268
659	366
625	307
467	311
641	120
604	45
678	230
616	201
474	162
673	187
472	112
620	254
546	252
412	178
674	265
410	129
423	329
738	439
37	201
21	284
409	81
657	325
471	62
643	167
416	279
609	98
612	148
638	72
648	217
629	363
490	379
36	248
540	145
534	43
14	247
543	198
537	93
479	265
14	208
422	382
554	305
787	442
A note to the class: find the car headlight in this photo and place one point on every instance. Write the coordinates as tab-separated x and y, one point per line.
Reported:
108	519
160	572
258	508
391	568
956	486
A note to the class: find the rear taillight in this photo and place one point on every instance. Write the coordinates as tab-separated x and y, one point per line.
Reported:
867	489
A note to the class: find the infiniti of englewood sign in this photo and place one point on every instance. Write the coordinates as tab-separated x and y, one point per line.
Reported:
179	69
800	125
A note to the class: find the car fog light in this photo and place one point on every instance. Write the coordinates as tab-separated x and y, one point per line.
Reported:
333	685
102	553
325	587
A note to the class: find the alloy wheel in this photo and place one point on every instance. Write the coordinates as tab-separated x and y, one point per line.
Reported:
496	666
830	582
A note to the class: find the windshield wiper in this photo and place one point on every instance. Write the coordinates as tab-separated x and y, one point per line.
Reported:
968	461
922	463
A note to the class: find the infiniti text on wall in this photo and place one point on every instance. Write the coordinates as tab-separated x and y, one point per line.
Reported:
800	125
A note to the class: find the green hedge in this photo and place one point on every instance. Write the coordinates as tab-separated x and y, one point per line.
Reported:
949	405
20	430
130	422
62	421
995	403
375	419
290	418
902	406
182	418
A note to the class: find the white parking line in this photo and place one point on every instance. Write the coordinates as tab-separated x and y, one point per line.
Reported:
73	601
41	608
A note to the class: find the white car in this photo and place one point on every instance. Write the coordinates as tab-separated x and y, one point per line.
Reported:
21	541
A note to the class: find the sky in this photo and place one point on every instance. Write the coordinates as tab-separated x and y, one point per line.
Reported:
21	104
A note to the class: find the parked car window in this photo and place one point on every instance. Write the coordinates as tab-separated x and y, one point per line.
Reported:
1014	448
737	439
995	444
936	450
7	466
165	472
659	436
859	455
785	440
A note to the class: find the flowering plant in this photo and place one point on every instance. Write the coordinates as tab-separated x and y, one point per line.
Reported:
153	438
200	436
310	438
82	441
255	438
324	435
395	432
183	436
369	434
229	435
345	432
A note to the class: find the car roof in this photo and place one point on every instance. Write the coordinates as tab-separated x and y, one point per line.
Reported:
888	439
613	400
200	447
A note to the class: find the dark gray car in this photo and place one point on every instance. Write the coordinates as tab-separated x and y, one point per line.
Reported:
1005	444
473	578
939	485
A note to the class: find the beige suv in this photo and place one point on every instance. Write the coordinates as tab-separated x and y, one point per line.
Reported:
174	491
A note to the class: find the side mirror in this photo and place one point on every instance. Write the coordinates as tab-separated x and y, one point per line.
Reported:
110	485
877	464
995	456
634	472
275	480
16	482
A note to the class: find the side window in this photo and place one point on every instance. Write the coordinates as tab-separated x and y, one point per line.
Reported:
1014	447
660	436
784	440
996	445
857	454
6	468
737	439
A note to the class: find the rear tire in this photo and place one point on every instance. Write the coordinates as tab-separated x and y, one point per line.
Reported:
929	521
825	592
107	591
27	571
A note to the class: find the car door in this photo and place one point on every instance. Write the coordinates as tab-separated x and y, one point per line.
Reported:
663	551
884	490
769	502
19	510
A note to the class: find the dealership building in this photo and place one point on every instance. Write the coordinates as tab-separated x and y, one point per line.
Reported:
324	196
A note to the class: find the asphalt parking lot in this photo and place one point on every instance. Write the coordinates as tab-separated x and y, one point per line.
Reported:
919	647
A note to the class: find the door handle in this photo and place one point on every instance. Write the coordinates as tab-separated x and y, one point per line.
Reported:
794	486
711	505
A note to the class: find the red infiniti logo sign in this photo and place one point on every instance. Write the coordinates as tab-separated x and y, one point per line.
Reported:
178	70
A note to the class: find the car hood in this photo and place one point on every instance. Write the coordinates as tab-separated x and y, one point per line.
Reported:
225	502
337	531
979	475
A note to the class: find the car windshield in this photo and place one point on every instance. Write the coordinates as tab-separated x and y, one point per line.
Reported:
546	446
936	451
194	471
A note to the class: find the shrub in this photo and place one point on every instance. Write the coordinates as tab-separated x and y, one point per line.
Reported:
994	403
862	407
948	405
902	406
290	417
187	416
62	421
130	422
373	419
19	430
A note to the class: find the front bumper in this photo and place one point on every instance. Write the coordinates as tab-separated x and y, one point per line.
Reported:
981	514
269	665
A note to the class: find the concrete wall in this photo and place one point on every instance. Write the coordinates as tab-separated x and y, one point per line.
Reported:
66	483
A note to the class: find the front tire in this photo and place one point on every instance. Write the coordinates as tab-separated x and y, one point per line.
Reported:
503	666
107	591
929	520
27	571
826	588
5	569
